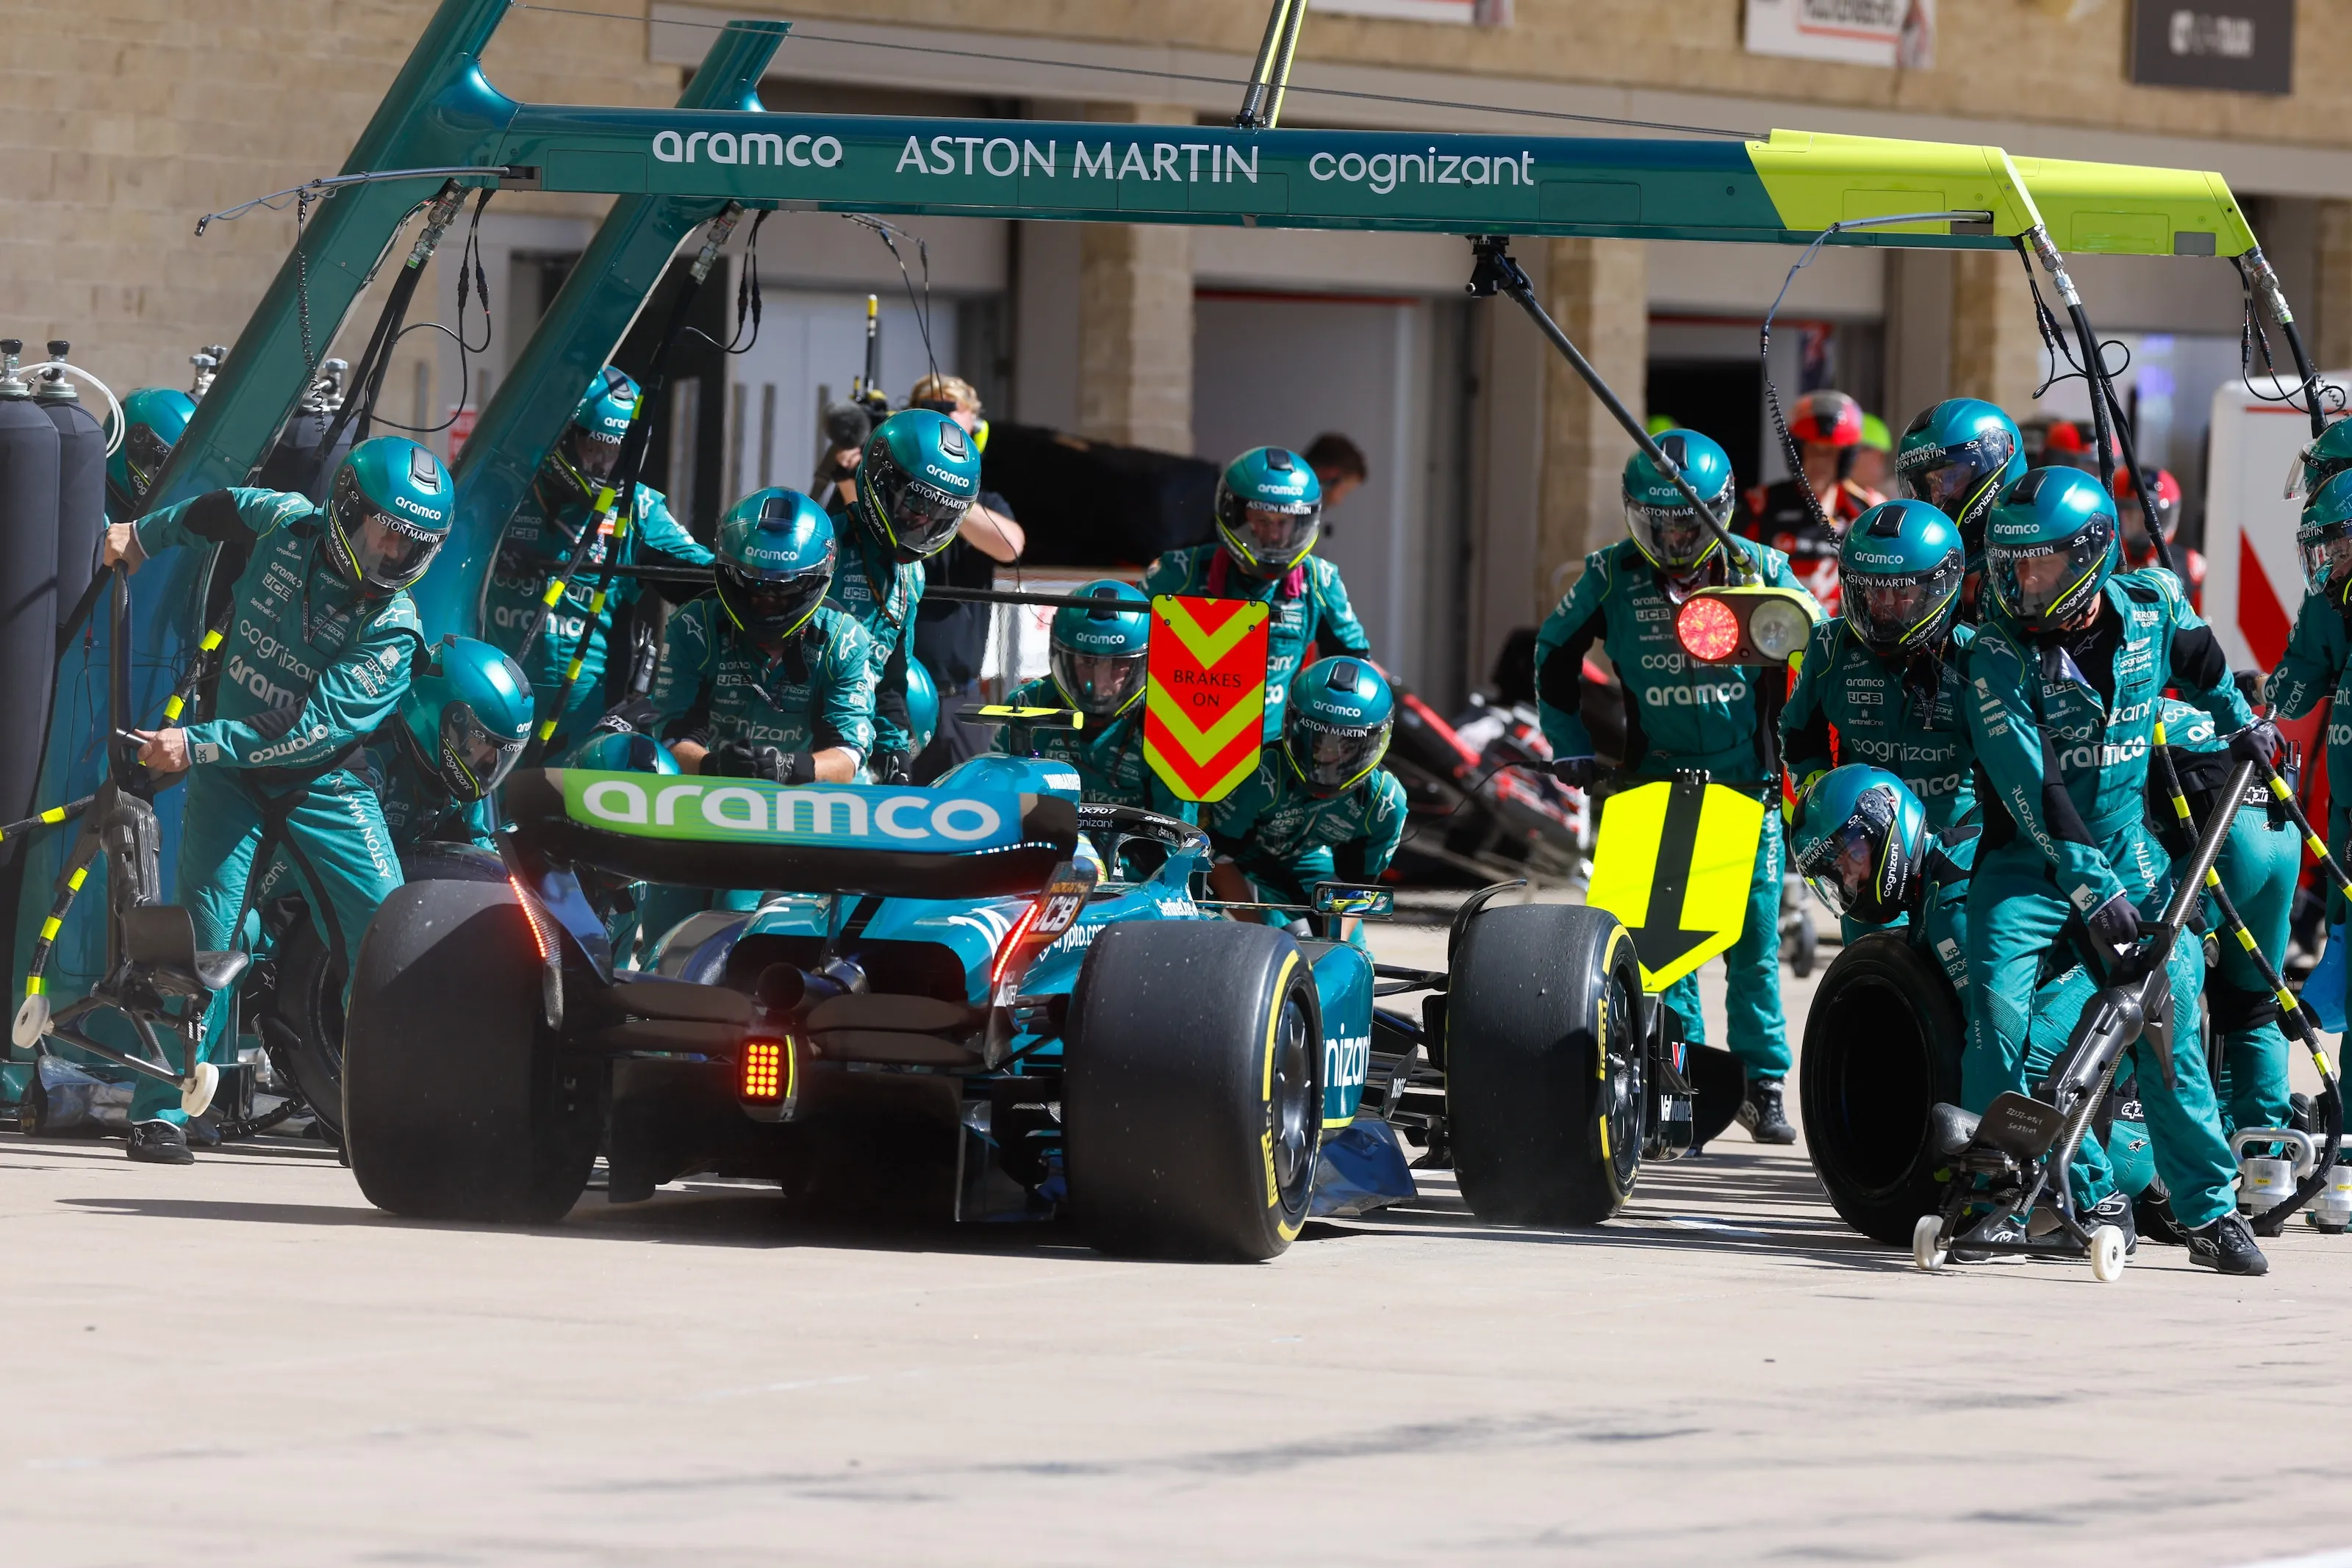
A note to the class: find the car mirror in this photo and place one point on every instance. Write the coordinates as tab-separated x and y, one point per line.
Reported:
1349	898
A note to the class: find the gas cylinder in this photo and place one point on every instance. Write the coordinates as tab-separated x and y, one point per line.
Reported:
2331	1210
29	462
81	478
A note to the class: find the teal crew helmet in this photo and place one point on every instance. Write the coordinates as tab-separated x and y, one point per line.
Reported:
919	474
387	513
1860	840
1956	456
2050	547
1899	574
1335	726
1269	510
2316	462
622	752
1659	516
467	714
922	704
2322	539
775	550
153	418
590	447
1096	654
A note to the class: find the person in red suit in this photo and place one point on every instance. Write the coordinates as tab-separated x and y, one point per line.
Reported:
2140	550
1827	428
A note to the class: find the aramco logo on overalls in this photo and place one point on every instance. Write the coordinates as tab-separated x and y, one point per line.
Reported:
749	811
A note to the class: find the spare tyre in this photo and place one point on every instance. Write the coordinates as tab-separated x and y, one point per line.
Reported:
1882	1047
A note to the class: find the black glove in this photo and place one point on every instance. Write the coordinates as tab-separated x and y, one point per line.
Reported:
2258	743
889	766
1578	772
2114	925
737	759
636	717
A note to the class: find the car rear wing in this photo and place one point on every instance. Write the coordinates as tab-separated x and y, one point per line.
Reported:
899	841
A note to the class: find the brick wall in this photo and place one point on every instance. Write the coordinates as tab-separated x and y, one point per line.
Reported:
128	119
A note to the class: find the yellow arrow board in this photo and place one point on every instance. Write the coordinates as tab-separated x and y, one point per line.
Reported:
1673	862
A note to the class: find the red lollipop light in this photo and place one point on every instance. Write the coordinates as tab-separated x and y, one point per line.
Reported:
1708	630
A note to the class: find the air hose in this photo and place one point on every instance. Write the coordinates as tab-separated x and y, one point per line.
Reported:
2111	429
2330	1103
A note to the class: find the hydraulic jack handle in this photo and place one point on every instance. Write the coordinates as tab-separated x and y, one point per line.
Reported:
1495	270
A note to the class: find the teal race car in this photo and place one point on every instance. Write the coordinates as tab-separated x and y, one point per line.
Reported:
984	991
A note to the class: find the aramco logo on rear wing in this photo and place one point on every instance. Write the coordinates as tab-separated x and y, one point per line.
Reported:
649	806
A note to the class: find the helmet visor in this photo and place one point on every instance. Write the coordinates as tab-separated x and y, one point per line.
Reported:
1860	869
2045	583
1098	684
1332	757
921	517
1673	537
768	610
379	550
2326	553
144	453
1270	539
596	455
473	759
1948	477
1892	613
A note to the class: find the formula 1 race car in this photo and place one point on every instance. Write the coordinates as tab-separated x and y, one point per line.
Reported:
983	985
952	977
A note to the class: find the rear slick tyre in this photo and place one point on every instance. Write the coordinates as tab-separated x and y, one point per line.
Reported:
1544	1065
1193	1091
456	1103
1882	1047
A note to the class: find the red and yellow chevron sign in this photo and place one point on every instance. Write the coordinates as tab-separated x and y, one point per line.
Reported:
1204	708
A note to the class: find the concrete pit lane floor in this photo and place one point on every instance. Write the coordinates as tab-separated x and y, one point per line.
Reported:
242	1362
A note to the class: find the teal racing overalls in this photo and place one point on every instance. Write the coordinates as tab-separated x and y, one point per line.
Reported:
881	595
1903	715
2316	666
309	671
716	687
1286	838
538	544
1109	760
2061	732
2258	866
1681	714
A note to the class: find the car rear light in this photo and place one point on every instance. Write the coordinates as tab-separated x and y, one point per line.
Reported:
542	929
765	1072
1012	945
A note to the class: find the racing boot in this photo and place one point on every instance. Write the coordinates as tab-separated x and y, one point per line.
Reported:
1760	1113
2227	1246
2115	1209
161	1143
